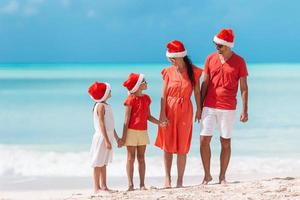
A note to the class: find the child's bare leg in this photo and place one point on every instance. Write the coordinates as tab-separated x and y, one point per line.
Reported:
142	167
96	179
103	178
130	166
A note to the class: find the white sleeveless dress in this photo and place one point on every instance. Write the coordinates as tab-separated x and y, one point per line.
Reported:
100	155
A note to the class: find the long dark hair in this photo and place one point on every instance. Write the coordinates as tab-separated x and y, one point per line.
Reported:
94	106
190	71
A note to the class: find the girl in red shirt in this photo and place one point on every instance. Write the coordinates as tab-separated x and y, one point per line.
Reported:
135	136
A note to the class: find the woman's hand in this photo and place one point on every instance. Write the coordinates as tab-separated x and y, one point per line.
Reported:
163	124
198	115
108	144
163	120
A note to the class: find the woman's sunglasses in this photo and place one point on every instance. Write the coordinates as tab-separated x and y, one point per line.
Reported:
144	82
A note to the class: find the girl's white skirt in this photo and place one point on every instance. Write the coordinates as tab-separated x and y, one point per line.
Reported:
100	155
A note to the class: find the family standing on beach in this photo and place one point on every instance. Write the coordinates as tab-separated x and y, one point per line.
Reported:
215	101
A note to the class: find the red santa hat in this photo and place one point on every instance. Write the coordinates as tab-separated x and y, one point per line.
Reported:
175	49
99	91
225	37
133	82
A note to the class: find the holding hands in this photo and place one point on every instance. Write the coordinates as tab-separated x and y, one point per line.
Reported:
120	142
163	124
198	115
163	121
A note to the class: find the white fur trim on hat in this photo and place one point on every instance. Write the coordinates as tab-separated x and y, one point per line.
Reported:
223	42
176	55
138	83
105	94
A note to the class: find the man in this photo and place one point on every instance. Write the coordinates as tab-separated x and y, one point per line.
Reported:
223	71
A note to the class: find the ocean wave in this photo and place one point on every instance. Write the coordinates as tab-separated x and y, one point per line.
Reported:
19	161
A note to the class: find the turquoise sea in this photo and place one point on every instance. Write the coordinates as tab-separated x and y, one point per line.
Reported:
46	120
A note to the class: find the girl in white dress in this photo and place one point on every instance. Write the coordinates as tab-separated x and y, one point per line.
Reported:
101	149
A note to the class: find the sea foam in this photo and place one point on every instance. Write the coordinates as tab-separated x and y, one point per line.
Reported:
21	161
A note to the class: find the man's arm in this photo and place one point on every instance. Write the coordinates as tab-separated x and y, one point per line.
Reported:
244	93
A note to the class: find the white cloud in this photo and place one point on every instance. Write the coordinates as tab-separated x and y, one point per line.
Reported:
36	1
10	8
66	3
32	7
30	10
27	8
91	13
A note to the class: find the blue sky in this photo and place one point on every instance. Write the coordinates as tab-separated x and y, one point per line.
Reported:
137	30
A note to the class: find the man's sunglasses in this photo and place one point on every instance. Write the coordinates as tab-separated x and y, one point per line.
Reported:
219	46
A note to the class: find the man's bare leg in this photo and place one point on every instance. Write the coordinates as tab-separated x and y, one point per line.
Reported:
224	158
205	156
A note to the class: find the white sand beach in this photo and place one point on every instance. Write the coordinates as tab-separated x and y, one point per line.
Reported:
273	189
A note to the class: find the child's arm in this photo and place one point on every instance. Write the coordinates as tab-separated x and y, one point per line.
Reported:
126	122
118	140
153	119
156	121
100	113
116	135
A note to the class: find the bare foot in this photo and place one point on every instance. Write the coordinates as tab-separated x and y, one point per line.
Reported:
206	180
153	188
100	192
106	189
179	184
168	182
96	191
222	181
130	188
143	188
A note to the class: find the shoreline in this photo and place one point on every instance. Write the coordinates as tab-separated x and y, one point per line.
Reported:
270	188
23	183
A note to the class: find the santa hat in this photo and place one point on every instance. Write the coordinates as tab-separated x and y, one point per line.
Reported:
99	91
225	37
133	82
175	49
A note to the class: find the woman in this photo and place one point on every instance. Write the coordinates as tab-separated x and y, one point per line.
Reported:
180	80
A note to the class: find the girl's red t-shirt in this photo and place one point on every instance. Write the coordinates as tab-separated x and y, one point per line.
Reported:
140	107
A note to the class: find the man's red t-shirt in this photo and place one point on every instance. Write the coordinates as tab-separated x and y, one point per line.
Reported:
224	81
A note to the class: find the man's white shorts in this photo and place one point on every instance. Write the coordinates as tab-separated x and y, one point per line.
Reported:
223	119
